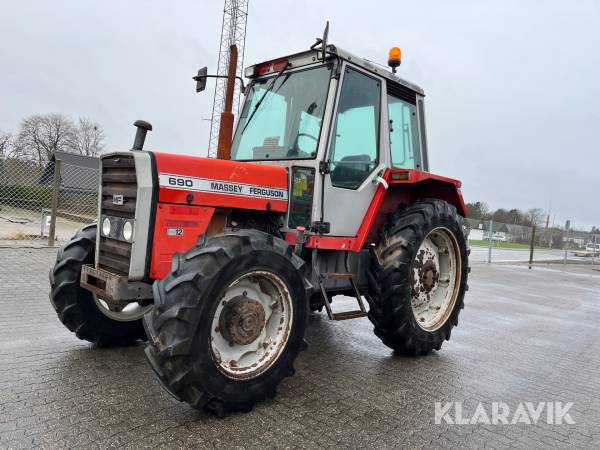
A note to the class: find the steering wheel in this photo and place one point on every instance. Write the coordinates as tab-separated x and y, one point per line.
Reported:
316	139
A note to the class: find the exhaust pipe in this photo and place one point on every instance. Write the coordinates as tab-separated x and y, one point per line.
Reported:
140	135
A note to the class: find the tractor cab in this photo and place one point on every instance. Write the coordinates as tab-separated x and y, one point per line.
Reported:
337	123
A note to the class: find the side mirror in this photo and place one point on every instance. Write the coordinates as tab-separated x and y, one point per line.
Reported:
201	79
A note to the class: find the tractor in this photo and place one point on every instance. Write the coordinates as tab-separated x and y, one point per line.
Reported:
322	190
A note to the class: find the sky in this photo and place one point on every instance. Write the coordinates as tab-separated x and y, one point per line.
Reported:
512	87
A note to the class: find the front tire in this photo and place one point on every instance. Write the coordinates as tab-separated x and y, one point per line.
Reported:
418	277
77	308
228	321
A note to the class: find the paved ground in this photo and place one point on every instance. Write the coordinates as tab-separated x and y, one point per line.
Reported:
524	336
480	254
25	227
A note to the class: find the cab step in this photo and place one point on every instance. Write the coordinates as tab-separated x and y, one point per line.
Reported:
344	315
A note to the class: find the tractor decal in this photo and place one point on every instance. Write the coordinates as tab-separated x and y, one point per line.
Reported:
172	181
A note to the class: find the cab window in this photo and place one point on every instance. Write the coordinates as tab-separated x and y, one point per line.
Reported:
355	137
404	136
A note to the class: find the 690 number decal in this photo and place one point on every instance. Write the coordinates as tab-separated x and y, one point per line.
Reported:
180	182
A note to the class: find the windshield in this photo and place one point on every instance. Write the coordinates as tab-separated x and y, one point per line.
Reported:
287	124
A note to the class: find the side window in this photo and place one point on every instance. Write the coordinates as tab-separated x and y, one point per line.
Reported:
355	138
404	134
301	200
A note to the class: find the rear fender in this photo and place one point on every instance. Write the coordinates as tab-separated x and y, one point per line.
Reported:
406	187
398	187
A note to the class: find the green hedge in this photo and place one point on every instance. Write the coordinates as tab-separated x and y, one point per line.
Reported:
26	197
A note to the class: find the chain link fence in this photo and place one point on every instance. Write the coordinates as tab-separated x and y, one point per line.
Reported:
47	203
493	241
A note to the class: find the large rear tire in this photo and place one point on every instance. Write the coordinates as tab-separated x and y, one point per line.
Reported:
418	277
228	321
79	310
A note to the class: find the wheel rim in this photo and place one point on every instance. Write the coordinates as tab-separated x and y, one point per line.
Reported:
435	279
251	325
126	313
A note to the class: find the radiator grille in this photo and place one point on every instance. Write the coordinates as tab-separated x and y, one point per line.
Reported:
118	178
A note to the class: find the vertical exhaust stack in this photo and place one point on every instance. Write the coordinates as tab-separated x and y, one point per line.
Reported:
226	124
140	135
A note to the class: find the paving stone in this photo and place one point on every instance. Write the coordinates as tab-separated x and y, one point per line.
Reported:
523	336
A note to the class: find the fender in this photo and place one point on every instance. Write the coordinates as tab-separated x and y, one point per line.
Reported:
404	186
407	186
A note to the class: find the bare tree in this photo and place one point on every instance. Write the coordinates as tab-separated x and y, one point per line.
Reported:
88	138
40	136
477	210
535	216
5	143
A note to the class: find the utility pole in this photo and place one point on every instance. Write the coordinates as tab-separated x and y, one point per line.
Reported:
531	246
568	228
490	242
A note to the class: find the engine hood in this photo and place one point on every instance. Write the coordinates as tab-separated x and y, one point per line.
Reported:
191	180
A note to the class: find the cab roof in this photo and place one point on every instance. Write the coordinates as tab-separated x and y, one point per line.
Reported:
313	55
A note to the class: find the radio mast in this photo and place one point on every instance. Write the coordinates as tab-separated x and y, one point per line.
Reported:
233	32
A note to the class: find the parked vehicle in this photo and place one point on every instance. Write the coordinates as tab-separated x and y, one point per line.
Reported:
496	237
590	250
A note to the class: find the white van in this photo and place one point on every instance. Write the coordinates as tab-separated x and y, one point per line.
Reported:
591	249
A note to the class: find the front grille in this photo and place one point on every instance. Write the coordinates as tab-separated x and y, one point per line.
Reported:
118	178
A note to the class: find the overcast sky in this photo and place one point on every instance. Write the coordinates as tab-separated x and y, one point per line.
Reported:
513	95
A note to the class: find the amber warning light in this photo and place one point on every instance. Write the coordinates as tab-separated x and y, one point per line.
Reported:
394	58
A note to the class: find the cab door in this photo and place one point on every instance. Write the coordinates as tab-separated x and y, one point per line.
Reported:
354	153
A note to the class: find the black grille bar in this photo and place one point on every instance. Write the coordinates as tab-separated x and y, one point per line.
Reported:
118	179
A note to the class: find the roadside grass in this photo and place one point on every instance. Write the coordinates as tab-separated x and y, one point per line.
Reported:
499	244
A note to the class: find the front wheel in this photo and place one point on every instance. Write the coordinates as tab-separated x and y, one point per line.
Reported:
89	317
418	277
229	321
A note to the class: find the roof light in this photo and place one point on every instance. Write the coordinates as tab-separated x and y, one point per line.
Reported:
270	66
394	58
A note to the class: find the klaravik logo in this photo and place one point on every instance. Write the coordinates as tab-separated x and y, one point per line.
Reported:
500	413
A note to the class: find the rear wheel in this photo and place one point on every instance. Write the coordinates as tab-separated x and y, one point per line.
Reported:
89	317
418	277
229	321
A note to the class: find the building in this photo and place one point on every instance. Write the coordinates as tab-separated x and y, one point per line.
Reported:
78	173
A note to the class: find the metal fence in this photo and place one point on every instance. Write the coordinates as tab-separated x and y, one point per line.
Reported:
48	203
45	203
493	241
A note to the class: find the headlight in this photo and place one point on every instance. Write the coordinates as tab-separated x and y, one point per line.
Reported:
127	231
106	226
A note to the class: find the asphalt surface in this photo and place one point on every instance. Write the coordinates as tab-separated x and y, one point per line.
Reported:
524	336
518	255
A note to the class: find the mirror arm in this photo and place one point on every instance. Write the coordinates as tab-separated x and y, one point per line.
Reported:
241	80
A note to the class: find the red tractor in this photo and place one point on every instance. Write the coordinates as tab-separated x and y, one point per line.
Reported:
217	263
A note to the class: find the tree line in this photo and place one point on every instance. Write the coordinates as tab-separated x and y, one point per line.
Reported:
514	216
39	136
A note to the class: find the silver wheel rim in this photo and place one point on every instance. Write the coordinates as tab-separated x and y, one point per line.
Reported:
126	313
435	279
251	325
